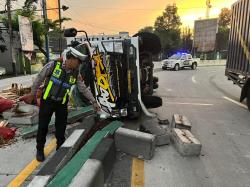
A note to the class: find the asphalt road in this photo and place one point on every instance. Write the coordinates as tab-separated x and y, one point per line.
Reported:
222	125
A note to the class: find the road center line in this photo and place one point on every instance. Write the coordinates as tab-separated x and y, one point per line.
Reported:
235	102
193	80
194	104
137	173
27	171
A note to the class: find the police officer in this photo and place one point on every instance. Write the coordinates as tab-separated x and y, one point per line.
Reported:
58	77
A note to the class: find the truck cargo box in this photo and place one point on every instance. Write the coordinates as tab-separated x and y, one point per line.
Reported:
238	61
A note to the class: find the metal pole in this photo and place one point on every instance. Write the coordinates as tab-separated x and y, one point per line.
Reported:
60	24
12	56
46	27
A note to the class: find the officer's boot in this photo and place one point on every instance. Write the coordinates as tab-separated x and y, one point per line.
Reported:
40	155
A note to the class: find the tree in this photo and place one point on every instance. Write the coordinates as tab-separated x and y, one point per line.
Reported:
225	18
169	20
167	27
147	29
2	41
187	40
224	28
39	30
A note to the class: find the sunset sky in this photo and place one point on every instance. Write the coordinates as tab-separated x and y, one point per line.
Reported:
112	16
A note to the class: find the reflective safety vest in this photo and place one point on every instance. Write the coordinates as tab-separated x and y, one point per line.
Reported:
59	85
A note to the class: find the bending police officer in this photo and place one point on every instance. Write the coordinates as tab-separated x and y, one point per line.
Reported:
58	77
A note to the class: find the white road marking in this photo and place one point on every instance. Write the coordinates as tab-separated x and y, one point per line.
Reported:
236	102
169	90
193	80
73	138
247	156
194	104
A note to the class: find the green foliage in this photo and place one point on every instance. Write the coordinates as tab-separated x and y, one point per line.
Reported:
224	29
39	29
169	20
187	41
147	29
225	18
167	27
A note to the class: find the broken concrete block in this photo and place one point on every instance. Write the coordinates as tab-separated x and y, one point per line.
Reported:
24	120
135	143
23	114
180	122
152	127
186	143
90	175
26	108
7	114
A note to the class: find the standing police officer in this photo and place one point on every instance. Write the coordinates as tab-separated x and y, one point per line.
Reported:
58	77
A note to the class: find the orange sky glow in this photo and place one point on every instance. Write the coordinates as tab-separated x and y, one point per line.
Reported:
112	16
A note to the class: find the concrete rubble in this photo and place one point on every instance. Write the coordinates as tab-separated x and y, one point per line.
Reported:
22	114
185	142
181	122
151	126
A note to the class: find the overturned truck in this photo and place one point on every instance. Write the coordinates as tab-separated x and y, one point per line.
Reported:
238	61
119	71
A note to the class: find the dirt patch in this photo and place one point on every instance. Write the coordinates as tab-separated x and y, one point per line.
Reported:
4	143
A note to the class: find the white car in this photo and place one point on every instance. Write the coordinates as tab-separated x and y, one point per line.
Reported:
179	61
2	71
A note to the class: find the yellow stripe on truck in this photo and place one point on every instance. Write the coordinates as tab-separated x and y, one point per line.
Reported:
244	46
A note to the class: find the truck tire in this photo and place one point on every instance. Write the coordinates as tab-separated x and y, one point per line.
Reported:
156	85
248	97
155	79
152	101
176	67
194	66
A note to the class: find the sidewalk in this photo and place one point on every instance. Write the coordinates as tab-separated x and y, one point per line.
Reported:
201	63
25	80
206	63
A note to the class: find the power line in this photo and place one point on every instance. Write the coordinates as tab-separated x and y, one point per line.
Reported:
140	9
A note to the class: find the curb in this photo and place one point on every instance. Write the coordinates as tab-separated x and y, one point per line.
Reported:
64	153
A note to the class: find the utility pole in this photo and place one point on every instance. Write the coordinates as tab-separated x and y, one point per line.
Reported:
60	24
12	51
46	27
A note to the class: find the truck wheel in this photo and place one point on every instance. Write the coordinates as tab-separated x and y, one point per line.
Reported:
155	79
155	86
194	66
248	97
152	101
176	67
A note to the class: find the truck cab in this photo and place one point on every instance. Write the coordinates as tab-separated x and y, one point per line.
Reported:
179	61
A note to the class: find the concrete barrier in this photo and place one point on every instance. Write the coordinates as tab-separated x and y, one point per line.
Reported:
152	127
135	143
90	175
180	122
185	142
105	152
